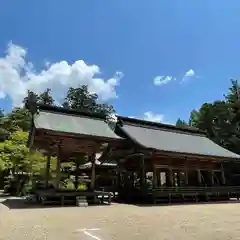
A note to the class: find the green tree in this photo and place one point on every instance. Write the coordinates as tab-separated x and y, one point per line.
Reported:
233	94
181	123
19	118
15	155
46	98
81	99
3	132
219	120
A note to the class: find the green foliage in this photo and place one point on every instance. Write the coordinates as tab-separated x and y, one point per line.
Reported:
81	99
181	123
220	120
19	118
14	126
15	155
233	94
46	98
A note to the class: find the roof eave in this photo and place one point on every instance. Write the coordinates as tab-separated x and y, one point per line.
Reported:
222	158
159	125
78	136
61	110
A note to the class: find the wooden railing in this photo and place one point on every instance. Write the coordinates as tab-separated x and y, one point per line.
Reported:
220	189
196	193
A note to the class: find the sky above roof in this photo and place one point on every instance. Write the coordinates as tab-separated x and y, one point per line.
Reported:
155	60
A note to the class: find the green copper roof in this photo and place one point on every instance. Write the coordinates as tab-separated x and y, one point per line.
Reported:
73	123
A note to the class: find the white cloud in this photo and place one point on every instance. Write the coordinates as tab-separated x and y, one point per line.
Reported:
189	74
160	80
17	75
150	116
153	117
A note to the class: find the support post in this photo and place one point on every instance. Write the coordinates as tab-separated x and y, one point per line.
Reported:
186	176
223	175
93	179
154	176
76	173
47	171
143	175
170	176
212	177
58	167
199	177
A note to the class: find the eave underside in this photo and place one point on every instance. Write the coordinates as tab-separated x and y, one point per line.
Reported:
121	154
48	141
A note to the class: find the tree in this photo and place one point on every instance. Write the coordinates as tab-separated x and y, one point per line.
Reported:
46	98
3	132
14	153
81	99
43	98
19	118
233	94
181	123
219	120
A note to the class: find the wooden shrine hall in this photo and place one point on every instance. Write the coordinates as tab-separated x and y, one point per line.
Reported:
159	162
70	136
154	161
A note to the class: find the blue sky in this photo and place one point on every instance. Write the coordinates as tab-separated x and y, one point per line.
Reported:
124	46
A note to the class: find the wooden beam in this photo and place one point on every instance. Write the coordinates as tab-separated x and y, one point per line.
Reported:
223	175
186	176
199	176
47	171
154	176
212	177
170	175
143	174
76	174
58	167
93	178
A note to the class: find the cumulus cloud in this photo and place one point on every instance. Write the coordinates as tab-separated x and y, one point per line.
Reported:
161	80
17	76
189	74
153	117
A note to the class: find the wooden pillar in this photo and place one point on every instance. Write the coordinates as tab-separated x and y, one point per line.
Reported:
170	176
58	167
223	175
212	177
199	176
154	176
47	171
93	178
186	176
143	175
77	163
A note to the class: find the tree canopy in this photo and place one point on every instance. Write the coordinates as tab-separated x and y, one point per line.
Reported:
14	154
220	120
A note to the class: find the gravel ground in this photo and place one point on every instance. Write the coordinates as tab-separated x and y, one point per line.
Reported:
123	222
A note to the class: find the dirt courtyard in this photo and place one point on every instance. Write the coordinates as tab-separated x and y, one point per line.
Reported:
122	222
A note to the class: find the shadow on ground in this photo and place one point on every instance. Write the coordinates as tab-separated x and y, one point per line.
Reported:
164	204
19	203
190	203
